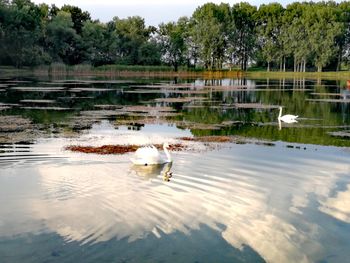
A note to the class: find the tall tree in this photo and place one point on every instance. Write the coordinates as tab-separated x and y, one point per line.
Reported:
78	17
295	35
173	43
20	31
97	40
131	34
323	30
269	19
343	39
209	33
64	44
244	19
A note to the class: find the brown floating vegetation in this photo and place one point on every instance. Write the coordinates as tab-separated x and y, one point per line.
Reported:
108	106
164	86
118	149
331	94
208	139
251	106
101	113
47	108
90	89
343	134
175	91
157	114
38	101
330	100
14	124
105	149
39	89
147	109
227	139
179	100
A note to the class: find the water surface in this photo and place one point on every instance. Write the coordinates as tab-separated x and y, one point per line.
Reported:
279	195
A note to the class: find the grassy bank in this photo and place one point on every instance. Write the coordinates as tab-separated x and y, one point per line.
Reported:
341	75
114	71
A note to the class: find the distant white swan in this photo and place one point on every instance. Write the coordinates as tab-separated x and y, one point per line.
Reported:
288	118
149	155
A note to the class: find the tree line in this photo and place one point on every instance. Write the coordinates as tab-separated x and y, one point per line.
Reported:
299	37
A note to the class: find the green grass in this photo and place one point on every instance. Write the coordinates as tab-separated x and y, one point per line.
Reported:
311	75
87	69
133	68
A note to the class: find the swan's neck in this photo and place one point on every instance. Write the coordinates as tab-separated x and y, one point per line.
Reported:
167	153
279	116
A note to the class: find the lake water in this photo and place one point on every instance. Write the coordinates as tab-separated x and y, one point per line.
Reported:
277	192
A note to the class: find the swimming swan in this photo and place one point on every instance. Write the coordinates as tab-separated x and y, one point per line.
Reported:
149	155
288	118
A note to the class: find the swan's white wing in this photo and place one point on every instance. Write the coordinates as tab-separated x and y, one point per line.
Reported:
149	155
147	151
290	116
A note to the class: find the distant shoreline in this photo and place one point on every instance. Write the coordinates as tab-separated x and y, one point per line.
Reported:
146	71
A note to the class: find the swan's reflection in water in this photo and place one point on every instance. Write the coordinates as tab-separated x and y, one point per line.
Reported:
288	122
152	171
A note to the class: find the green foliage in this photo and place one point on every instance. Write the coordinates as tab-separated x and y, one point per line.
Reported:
131	35
98	40
20	28
244	33
270	31
172	40
209	31
78	17
299	37
63	43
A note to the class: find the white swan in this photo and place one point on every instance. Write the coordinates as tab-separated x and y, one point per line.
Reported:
288	118
149	155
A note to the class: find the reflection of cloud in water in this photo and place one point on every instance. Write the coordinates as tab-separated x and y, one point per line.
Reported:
254	195
338	206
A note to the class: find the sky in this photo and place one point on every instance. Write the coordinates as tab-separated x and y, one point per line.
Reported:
153	11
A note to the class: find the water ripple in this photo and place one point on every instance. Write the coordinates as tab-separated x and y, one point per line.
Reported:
237	191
